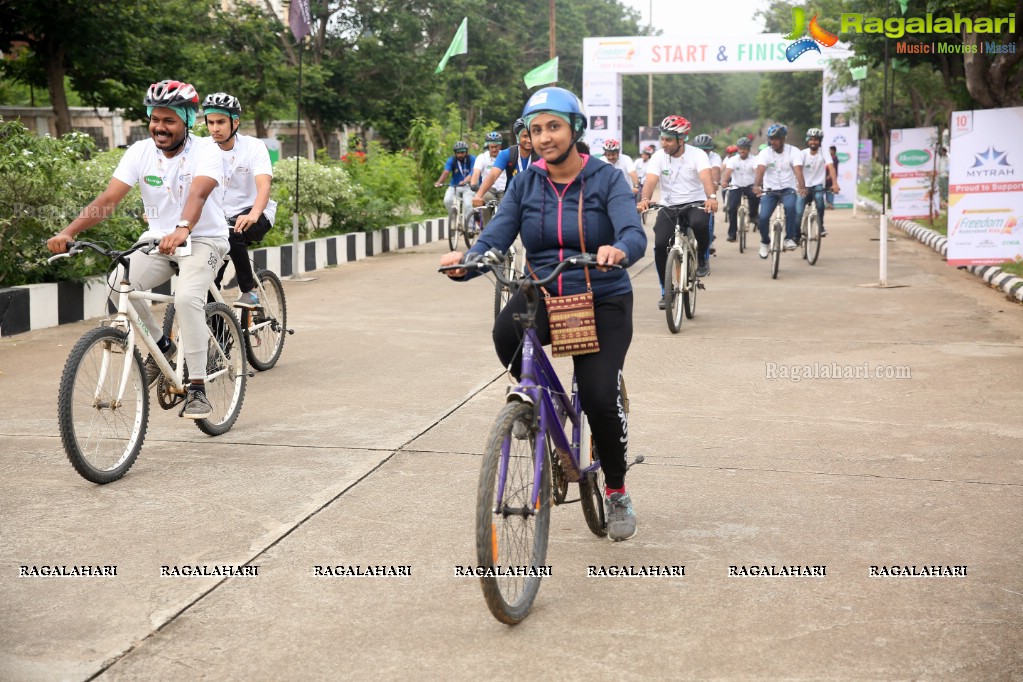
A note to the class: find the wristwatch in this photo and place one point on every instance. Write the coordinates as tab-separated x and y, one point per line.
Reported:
713	196
185	224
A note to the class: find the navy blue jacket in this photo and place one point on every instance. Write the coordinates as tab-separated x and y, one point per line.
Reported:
550	228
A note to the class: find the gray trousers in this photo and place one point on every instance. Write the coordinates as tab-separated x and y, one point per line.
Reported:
195	275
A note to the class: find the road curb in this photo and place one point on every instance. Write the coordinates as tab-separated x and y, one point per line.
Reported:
37	306
992	274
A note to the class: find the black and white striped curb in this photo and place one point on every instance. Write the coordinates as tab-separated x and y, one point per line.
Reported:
37	306
992	274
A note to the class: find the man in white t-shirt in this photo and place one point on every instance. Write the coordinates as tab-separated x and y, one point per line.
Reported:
177	176
739	174
779	178
816	169
706	143
613	156
639	166
684	175
481	170
247	175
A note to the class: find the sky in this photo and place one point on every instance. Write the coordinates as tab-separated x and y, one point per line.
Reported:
713	17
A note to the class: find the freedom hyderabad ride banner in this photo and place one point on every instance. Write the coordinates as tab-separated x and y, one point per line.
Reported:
912	159
985	187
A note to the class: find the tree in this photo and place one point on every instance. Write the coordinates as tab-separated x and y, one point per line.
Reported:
110	51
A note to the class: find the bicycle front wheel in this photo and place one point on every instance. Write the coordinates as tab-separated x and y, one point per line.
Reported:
510	532
225	370
266	327
454	218
102	427
740	226
675	276
502	294
812	240
473	228
776	247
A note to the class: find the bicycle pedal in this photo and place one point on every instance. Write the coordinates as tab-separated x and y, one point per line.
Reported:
699	285
639	460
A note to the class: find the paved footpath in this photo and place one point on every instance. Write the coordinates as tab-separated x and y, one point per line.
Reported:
363	446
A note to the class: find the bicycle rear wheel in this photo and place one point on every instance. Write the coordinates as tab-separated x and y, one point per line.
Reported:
472	229
225	370
812	239
689	294
102	435
676	274
511	533
266	327
591	487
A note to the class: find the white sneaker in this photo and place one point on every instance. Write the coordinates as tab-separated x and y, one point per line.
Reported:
765	250
791	245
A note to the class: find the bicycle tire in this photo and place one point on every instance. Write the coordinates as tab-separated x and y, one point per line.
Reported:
812	240
226	392
100	444
690	292
454	218
469	232
264	345
803	220
502	294
591	491
675	276
740	226
516	535
776	247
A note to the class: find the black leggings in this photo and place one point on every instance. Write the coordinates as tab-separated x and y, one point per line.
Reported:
598	374
664	233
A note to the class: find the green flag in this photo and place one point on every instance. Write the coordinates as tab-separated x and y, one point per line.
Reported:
903	5
545	73
459	44
858	72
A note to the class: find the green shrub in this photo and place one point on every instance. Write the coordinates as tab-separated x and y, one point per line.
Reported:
321	188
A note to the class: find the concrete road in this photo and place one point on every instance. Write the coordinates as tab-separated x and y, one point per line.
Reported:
362	447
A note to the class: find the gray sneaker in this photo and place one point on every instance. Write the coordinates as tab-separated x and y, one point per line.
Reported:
153	370
197	405
621	520
250	299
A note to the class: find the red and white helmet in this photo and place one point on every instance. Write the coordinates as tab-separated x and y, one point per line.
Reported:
171	94
675	125
612	145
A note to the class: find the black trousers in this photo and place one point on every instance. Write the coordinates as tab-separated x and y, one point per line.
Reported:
664	233
599	374
238	249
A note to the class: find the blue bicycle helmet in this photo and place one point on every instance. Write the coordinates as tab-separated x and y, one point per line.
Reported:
777	130
558	101
494	137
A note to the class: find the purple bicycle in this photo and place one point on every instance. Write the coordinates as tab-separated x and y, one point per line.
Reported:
529	461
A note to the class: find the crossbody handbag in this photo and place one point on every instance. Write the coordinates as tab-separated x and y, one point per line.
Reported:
572	319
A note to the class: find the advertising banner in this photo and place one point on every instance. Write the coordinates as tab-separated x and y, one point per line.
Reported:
842	131
866	159
912	162
985	187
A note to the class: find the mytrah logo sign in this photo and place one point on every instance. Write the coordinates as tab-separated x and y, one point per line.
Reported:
990	163
806	35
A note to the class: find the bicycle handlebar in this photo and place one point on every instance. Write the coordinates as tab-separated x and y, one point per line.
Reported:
77	247
492	258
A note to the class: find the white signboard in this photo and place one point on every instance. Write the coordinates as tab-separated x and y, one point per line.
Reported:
842	131
912	161
985	187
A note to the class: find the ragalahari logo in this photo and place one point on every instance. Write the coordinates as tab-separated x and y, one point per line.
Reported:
803	43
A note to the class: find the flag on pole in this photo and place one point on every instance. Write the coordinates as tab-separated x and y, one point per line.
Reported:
545	73
459	44
299	19
858	72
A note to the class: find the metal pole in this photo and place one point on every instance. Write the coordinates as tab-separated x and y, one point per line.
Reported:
885	168
551	35
298	163
650	76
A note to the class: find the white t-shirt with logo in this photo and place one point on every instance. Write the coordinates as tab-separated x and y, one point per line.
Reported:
744	171
815	167
778	173
679	178
484	163
241	164
164	184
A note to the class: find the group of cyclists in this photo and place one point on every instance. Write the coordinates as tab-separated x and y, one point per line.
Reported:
204	198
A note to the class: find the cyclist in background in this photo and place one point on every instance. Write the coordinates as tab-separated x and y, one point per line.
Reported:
816	169
706	143
459	167
780	167
481	169
740	173
177	175
614	157
510	162
542	207
246	187
685	177
640	168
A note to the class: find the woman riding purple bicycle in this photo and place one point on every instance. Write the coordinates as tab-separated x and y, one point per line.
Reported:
542	206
